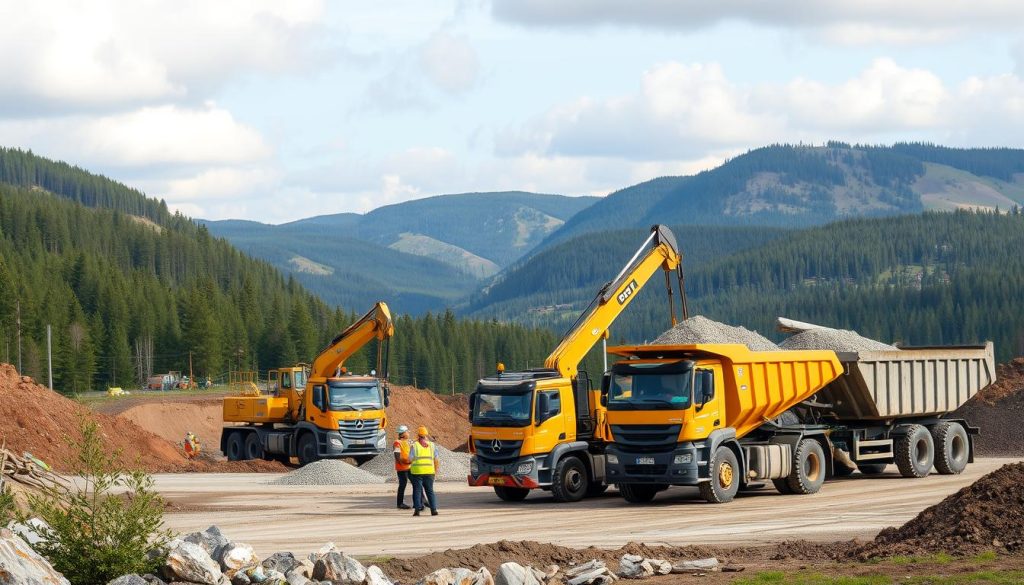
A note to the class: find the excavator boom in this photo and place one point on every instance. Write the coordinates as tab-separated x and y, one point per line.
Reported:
375	324
659	251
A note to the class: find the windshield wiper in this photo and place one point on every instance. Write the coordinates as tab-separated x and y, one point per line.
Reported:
658	401
342	407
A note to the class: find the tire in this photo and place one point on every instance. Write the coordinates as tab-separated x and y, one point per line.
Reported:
596	489
808	471
235	447
952	447
639	493
725	477
307	449
915	452
872	469
782	484
840	470
253	447
569	483
511	494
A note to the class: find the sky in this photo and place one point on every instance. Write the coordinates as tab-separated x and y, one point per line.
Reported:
277	110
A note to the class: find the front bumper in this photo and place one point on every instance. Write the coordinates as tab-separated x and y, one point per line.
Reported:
336	444
484	473
680	466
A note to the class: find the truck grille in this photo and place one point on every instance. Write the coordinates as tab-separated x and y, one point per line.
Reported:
506	450
646	469
646	437
365	430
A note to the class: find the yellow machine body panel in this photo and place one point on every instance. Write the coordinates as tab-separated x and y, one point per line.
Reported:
255	409
538	438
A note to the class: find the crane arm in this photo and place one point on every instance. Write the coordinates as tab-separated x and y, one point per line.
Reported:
659	251
375	324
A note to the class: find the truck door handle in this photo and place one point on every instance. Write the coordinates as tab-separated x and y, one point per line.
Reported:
561	437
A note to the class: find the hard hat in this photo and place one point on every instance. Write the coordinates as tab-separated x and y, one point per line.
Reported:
422	431
402	429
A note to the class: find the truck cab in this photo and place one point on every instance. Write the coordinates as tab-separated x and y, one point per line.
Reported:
345	418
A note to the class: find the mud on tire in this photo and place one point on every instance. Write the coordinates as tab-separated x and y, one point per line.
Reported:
915	452
952	447
725	477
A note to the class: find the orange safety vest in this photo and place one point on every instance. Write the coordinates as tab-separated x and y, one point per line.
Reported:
402	448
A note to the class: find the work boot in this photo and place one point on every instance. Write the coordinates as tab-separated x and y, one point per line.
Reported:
433	512
416	512
403	506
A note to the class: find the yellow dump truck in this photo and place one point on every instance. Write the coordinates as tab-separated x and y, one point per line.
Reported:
330	414
722	417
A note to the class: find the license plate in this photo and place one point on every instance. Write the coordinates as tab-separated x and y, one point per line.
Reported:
492	480
645	460
358	441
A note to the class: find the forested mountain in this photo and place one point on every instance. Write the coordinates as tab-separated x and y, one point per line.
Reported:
129	289
797	186
425	254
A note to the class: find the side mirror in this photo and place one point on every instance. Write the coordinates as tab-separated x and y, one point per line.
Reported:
472	406
604	399
543	407
606	382
318	397
705	388
387	396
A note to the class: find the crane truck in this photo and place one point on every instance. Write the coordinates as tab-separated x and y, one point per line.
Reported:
545	428
722	417
330	414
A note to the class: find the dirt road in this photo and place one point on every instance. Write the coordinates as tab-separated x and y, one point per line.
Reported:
362	520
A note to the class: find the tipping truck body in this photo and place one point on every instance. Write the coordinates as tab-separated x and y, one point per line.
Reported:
327	413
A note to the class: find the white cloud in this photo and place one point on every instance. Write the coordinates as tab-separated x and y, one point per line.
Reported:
450	62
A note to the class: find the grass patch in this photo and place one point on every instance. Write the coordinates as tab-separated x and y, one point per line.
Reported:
977	578
374	560
935	559
985	557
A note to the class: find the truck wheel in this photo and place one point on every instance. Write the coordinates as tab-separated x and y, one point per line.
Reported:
952	449
569	482
725	477
808	468
639	493
782	484
915	452
511	494
872	468
840	470
253	447
596	489
307	449
235	447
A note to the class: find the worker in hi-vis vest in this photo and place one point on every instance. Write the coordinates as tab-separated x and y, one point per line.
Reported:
402	464
423	454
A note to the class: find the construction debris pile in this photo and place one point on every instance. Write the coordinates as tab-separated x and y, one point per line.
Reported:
452	466
327	472
29	473
703	330
986	515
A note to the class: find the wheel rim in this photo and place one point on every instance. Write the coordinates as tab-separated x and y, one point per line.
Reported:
922	452
958	448
812	467
574	480
725	475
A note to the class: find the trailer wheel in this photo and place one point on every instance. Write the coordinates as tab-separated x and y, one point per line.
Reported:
253	447
307	449
639	493
808	468
952	449
725	477
235	446
569	482
872	468
782	485
511	494
915	452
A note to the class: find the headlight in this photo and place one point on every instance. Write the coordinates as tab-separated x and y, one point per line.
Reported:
474	467
336	442
613	459
683	459
524	468
382	439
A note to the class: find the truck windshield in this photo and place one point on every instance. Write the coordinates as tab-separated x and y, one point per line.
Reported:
502	410
354	397
653	391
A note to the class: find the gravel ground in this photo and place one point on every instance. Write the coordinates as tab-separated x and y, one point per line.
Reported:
328	472
836	340
454	466
703	330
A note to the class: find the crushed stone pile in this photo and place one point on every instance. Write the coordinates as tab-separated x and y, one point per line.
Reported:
999	411
454	466
986	515
328	472
834	339
700	329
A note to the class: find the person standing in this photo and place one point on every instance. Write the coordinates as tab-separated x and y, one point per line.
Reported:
402	464
424	467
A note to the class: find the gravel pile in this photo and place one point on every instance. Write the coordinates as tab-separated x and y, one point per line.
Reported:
454	466
328	472
703	330
834	339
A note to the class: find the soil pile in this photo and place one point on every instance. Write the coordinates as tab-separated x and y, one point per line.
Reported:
703	330
999	411
986	515
448	424
172	419
834	339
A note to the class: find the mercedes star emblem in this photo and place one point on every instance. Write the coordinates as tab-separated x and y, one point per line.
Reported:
495	445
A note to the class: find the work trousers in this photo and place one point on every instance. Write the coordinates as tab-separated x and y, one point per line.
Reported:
423	486
403	480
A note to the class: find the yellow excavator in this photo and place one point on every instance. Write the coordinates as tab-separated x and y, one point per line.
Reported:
325	412
546	428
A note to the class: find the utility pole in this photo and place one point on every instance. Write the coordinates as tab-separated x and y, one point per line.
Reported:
18	319
49	355
453	379
191	377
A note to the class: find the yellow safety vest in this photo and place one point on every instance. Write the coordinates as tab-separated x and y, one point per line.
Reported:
422	459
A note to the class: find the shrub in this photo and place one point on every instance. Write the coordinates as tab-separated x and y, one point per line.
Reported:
109	527
8	507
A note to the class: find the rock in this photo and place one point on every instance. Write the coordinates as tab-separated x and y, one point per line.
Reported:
584	568
284	562
234	556
697	566
240	578
599	575
375	576
190	562
538	574
515	574
29	530
22	566
439	577
550	571
296	578
339	569
661	567
635	567
129	580
326	548
483	577
153	579
211	539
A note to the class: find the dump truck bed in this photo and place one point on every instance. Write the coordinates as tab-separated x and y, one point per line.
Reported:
758	385
910	382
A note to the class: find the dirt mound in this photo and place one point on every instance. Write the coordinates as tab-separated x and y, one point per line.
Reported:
986	515
999	411
171	419
413	407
